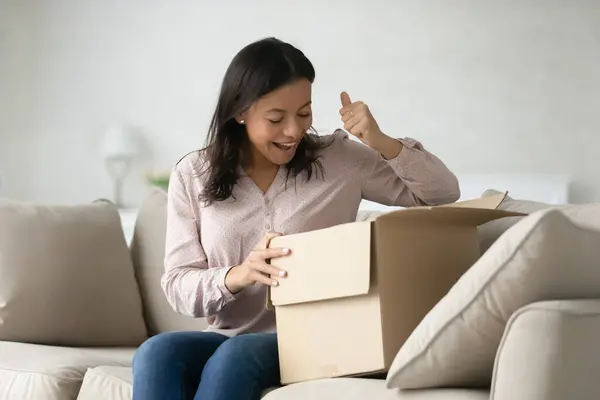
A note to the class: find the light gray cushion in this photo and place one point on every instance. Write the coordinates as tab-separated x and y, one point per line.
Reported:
550	351
29	371
67	277
107	382
367	389
148	254
491	231
114	383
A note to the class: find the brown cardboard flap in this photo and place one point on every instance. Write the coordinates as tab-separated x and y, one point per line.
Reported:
447	216
341	270
489	202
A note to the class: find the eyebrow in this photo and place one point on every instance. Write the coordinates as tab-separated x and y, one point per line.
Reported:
282	110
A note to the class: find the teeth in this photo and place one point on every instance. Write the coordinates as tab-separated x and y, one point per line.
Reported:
286	145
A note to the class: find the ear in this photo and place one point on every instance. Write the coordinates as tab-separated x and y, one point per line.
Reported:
240	118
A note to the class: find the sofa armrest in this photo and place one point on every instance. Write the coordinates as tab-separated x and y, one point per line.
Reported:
550	351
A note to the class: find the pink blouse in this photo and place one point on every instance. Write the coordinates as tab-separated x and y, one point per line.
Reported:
203	243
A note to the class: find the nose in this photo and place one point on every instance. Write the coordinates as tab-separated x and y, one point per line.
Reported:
295	129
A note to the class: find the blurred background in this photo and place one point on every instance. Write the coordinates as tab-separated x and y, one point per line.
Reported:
98	93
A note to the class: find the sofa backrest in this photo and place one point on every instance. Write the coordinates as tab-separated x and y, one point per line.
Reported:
148	252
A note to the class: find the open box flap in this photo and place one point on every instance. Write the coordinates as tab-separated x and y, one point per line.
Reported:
488	202
334	274
447	216
467	213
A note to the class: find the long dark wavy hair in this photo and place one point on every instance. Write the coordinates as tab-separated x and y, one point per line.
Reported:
258	69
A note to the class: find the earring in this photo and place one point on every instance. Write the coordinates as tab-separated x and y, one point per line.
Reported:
241	121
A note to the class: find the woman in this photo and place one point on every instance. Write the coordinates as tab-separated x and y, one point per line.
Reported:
263	172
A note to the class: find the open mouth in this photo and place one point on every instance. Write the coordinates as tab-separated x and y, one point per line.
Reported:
285	146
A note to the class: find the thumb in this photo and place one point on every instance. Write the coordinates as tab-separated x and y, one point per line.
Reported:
267	239
345	97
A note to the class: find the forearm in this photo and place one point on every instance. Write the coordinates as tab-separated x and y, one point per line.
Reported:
387	146
196	292
428	180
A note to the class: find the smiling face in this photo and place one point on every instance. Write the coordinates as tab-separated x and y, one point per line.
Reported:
277	122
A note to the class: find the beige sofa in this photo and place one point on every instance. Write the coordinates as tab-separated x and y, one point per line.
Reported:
71	319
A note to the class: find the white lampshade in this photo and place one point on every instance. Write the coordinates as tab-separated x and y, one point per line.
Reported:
119	142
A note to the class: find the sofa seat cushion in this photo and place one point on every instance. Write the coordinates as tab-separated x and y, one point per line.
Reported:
29	371
115	383
372	389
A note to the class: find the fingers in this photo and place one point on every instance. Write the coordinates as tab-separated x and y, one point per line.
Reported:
358	108
262	271
347	116
264	279
354	108
352	123
259	261
345	98
267	269
265	254
357	112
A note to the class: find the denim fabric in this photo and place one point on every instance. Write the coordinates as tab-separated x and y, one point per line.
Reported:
205	366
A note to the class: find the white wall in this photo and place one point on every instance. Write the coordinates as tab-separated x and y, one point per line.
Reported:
491	87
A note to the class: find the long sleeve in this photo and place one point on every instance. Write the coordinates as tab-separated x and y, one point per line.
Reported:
191	287
415	177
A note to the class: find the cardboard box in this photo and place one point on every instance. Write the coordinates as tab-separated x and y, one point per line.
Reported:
355	292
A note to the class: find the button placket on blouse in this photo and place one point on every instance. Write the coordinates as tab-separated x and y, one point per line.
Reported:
268	198
268	215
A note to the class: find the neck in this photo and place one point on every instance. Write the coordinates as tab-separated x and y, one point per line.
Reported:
255	161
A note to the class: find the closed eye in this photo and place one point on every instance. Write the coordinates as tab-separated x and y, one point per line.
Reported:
276	121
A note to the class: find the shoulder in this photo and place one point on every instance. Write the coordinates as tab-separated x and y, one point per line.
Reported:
340	139
341	147
333	143
191	164
335	138
190	169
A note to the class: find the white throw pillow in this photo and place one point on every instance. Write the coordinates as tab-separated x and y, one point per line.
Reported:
66	277
551	254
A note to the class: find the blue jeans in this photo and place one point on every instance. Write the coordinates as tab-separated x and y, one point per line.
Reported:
205	366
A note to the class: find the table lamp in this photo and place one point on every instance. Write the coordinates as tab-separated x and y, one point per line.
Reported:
119	149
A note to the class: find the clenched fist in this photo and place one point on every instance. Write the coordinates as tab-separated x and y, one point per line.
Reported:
359	121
